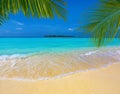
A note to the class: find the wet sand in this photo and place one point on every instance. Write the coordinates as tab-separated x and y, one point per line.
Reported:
101	81
47	65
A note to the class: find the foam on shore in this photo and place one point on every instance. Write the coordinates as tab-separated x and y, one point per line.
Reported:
47	66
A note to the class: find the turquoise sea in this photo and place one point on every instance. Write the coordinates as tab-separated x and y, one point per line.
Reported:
10	46
36	45
43	58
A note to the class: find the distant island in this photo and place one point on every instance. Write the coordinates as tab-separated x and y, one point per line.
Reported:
59	36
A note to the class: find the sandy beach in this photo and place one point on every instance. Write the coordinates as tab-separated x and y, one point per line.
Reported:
59	47
101	81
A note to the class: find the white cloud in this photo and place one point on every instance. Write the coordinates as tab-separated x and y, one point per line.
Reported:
19	28
5	31
70	29
18	23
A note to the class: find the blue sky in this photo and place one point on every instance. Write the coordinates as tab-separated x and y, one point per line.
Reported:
18	25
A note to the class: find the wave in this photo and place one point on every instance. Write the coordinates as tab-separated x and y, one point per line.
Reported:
56	77
90	53
55	65
14	56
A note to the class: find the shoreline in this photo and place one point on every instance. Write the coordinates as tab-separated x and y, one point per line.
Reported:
45	66
101	81
59	76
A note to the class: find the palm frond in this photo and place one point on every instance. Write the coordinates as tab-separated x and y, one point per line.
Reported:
3	16
104	22
36	8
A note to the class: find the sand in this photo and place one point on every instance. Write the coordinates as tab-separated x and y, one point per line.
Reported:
101	81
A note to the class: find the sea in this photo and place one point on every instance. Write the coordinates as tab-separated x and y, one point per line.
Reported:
49	58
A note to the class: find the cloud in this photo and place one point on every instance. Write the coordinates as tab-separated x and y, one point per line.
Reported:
7	31
19	28
70	29
18	23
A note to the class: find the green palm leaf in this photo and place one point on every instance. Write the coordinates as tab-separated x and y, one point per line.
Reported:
105	21
35	8
2	19
3	16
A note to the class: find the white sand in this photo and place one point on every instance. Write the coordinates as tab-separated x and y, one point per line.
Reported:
101	81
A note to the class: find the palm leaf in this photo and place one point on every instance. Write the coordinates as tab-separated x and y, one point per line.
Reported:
35	8
2	20
104	22
3	16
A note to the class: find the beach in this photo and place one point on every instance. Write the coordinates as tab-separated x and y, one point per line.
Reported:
100	81
58	66
59	49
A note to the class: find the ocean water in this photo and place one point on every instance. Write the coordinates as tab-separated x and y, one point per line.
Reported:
46	58
32	45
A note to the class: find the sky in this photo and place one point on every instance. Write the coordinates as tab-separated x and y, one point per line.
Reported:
20	26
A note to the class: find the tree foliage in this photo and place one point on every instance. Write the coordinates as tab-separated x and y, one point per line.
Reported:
34	8
104	22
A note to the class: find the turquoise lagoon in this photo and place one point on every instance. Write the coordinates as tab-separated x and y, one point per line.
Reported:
44	58
10	46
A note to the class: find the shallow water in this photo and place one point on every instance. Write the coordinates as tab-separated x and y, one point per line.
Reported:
26	59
